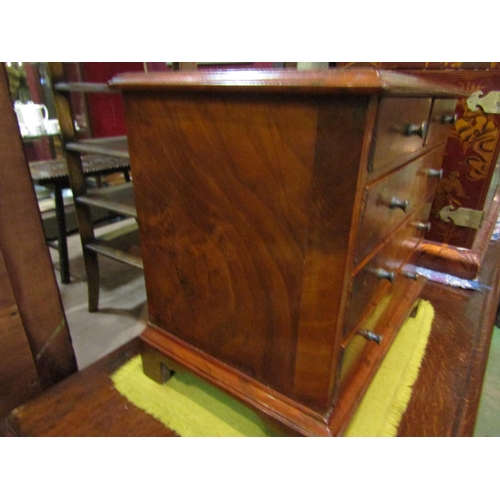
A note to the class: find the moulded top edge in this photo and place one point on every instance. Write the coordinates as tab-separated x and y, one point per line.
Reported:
328	81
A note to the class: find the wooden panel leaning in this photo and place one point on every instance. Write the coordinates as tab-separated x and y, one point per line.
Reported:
250	190
35	346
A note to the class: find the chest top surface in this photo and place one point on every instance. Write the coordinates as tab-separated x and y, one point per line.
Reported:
335	81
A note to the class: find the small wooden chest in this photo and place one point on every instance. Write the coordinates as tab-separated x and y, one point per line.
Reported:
280	215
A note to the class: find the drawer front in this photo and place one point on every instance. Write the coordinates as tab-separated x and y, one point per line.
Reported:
377	276
390	200
442	115
350	357
360	349
400	131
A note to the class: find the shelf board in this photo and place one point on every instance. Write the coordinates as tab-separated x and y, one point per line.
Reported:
103	248
110	146
87	87
118	199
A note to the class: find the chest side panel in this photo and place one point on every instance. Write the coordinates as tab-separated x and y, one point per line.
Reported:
223	186
341	143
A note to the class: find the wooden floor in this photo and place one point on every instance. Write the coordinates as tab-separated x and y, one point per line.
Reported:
444	401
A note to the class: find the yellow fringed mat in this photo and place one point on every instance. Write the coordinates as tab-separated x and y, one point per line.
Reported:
194	408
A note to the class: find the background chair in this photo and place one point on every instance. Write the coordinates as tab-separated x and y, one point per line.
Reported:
118	199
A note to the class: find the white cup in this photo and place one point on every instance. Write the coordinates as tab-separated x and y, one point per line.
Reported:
52	126
35	130
32	117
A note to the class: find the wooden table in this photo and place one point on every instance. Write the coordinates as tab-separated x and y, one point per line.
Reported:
446	395
444	402
55	173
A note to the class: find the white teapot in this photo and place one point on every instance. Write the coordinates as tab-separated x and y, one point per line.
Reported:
32	117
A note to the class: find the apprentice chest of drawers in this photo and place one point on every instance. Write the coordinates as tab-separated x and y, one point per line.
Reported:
280	213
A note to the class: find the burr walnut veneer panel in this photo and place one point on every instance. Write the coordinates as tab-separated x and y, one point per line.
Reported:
251	192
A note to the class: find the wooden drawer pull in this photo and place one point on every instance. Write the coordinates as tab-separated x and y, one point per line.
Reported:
369	335
436	173
419	129
397	203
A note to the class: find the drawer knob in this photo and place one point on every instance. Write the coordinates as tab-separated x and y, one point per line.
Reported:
449	119
410	275
436	173
383	274
369	335
397	203
419	129
424	226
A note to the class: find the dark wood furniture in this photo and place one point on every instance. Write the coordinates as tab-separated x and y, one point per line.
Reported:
118	199
29	139
467	202
35	346
280	213
444	400
54	173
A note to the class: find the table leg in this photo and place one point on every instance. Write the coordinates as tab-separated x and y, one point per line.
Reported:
62	243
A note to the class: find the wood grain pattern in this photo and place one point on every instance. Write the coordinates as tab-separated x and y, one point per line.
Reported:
18	375
364	81
367	286
223	207
86	405
442	110
444	401
248	205
26	255
462	262
471	172
445	397
342	130
410	183
392	145
353	386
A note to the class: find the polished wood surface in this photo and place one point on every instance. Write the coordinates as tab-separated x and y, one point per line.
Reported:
409	185
470	166
444	400
216	273
393	144
443	110
249	213
249	196
395	308
462	262
18	374
373	279
445	397
113	146
364	81
27	258
86	405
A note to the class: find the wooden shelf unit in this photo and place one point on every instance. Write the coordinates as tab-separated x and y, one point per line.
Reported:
118	199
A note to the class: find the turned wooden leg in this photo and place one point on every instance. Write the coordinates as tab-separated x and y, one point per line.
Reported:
62	242
90	257
93	279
